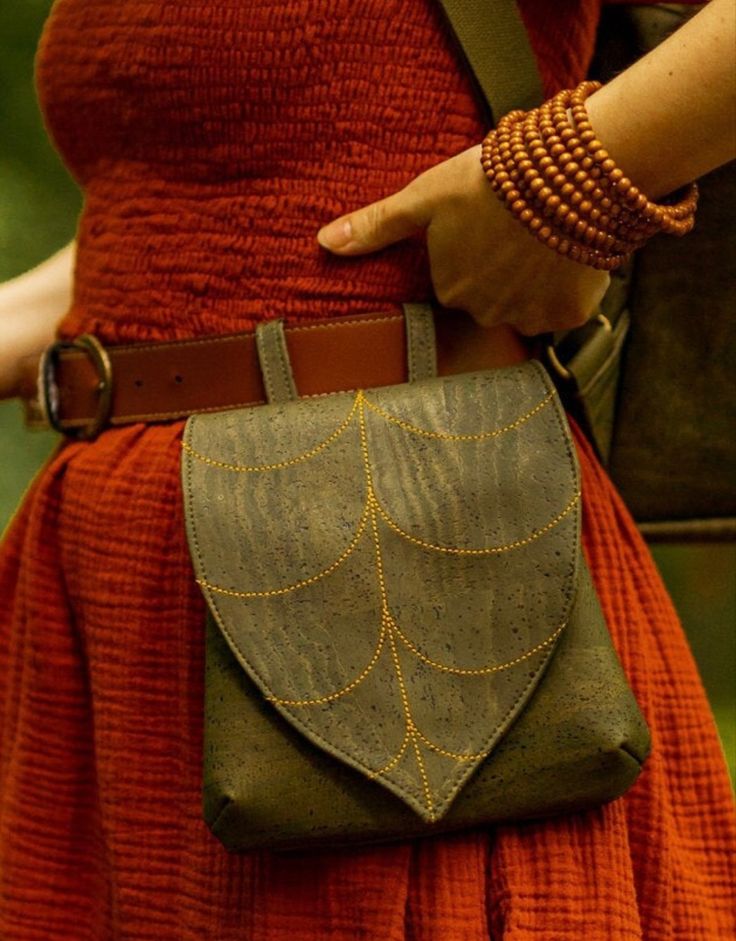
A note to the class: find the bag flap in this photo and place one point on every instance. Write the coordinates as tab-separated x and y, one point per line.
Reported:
392	567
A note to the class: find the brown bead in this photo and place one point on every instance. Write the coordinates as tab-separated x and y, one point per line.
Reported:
589	235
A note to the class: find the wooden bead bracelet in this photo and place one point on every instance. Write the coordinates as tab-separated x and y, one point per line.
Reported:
555	176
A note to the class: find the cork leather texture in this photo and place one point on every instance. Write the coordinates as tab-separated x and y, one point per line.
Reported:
392	568
579	742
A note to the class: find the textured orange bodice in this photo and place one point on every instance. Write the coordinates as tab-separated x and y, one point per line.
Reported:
212	140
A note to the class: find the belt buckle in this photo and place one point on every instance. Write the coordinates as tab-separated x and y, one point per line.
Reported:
48	389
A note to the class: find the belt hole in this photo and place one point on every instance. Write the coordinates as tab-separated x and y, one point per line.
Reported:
138	383
178	378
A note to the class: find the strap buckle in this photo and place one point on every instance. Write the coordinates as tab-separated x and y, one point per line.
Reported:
49	395
562	371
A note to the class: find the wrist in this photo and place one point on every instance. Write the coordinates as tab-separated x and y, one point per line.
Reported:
622	137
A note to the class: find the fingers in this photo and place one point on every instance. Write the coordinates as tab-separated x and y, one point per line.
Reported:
379	224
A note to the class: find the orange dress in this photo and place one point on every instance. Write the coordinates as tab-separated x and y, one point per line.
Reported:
212	140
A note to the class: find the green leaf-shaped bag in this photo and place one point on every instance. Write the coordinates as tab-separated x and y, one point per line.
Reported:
403	636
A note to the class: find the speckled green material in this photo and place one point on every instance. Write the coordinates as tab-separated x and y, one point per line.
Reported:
396	584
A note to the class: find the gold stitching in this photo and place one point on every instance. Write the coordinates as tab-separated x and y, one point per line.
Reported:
205	459
389	626
480	671
396	759
456	756
487	550
447	436
423	774
347	689
271	592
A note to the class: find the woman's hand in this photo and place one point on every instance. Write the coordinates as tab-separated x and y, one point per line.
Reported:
482	259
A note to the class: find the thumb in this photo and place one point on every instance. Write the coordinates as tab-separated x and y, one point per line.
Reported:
381	223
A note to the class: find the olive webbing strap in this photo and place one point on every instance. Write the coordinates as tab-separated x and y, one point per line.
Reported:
494	40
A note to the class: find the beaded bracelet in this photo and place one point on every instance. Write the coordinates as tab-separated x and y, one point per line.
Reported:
556	177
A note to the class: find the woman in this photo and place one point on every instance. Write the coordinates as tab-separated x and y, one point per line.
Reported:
212	142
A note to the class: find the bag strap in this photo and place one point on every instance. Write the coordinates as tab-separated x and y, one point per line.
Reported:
492	36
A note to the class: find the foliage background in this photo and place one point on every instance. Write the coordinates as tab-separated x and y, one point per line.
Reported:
39	208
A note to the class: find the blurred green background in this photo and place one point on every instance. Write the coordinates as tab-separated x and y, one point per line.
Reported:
40	206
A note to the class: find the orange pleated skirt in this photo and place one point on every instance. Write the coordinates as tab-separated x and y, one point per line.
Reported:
101	835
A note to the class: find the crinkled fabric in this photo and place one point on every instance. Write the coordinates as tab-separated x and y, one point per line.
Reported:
211	141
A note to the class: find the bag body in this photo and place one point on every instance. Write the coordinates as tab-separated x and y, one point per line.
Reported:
403	636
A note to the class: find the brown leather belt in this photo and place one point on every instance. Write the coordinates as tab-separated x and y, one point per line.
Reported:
83	387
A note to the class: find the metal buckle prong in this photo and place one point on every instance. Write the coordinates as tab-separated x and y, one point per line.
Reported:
48	390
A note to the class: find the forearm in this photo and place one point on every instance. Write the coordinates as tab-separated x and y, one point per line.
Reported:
31	306
671	116
48	284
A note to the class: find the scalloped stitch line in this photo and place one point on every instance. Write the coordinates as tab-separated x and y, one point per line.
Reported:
448	436
331	697
272	592
250	468
456	756
480	671
488	550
